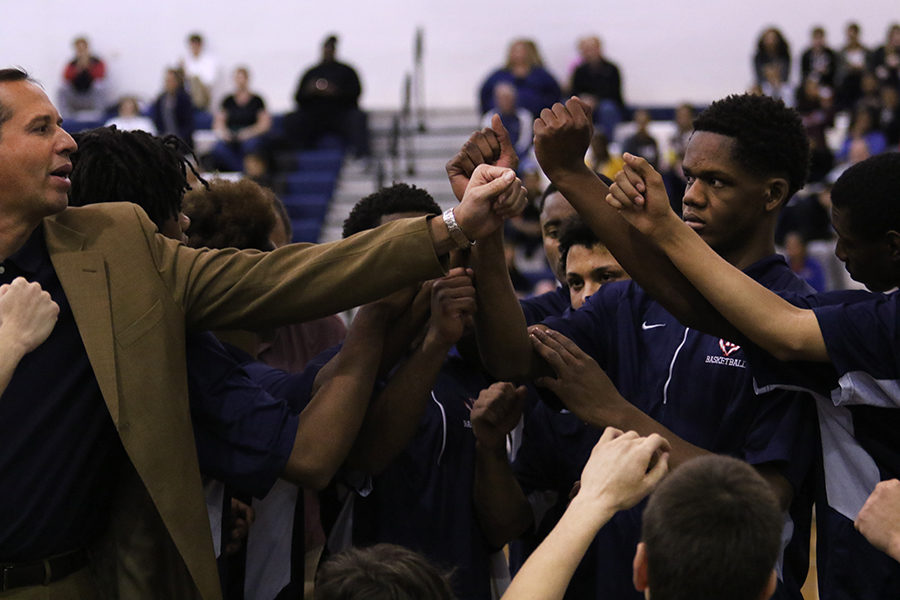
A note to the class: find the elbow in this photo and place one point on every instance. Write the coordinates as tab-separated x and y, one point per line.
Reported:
314	475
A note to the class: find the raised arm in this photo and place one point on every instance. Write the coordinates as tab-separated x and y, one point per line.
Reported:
27	316
782	329
502	508
394	415
561	138
622	469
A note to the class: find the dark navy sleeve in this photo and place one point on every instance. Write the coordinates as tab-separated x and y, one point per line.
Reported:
863	336
549	304
244	435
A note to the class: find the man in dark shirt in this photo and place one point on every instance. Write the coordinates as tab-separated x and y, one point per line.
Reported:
327	102
598	81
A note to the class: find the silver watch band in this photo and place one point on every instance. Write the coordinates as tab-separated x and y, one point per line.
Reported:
456	233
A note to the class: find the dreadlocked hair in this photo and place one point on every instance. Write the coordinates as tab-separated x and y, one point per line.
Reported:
111	165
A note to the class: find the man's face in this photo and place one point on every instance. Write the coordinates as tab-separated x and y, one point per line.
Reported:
723	202
34	154
865	258
556	210
589	268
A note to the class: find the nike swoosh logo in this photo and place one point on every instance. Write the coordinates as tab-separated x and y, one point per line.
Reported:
645	327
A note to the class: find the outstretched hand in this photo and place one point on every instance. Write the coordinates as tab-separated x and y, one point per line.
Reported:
562	135
27	315
622	469
639	195
488	146
580	382
452	305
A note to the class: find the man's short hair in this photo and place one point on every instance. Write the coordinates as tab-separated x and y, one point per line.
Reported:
195	38
712	529
230	214
9	75
398	198
575	232
869	191
111	165
770	137
380	572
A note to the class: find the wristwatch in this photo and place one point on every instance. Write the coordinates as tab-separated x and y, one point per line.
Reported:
456	233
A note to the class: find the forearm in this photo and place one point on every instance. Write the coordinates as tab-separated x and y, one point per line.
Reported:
502	508
331	421
393	417
640	258
782	329
11	354
500	325
547	572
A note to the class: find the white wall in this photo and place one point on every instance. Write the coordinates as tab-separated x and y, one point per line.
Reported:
694	50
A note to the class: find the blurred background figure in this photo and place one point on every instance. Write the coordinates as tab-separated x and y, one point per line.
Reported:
641	143
201	71
173	112
536	88
818	61
240	125
517	120
601	158
806	267
853	59
83	88
598	82
129	117
772	49
886	59
328	102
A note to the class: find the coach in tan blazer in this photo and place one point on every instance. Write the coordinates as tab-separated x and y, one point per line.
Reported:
133	293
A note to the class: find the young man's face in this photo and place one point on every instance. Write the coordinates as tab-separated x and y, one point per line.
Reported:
723	203
589	268
556	210
34	154
866	259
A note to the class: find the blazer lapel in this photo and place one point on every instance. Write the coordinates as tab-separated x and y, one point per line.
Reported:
83	277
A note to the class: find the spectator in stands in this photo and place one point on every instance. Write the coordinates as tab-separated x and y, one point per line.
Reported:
516	119
863	127
772	49
536	87
201	71
641	142
818	61
815	104
129	118
598	82
173	112
240	124
853	60
806	267
600	158
328	102
674	175
889	119
381	572
885	60
774	86
83	89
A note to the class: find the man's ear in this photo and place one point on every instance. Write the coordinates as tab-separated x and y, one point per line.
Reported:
770	586
892	239
639	568
776	193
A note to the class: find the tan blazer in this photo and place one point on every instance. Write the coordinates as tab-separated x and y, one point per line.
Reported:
133	292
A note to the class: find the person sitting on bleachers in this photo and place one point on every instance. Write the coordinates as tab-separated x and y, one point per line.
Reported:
886	59
516	119
83	87
641	142
173	112
240	125
772	49
537	88
863	128
328	102
129	117
852	61
818	61
598	82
